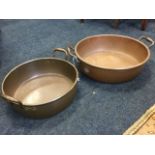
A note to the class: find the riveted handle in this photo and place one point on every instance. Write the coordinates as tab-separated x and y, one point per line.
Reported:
11	99
148	39
61	50
71	52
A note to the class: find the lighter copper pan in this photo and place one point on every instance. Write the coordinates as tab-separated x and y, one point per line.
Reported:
112	58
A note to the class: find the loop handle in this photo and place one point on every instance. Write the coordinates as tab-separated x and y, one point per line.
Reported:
71	51
11	99
68	52
61	50
148	39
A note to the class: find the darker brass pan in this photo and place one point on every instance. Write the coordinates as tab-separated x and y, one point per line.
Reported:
112	58
40	87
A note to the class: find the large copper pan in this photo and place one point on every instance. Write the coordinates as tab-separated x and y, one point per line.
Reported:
112	58
40	87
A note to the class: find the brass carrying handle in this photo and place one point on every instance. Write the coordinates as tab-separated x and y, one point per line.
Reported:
148	39
60	50
11	99
70	51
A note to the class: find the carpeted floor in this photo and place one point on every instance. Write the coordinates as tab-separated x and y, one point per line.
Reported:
110	111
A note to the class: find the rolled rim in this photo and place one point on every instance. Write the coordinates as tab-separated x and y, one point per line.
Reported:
113	35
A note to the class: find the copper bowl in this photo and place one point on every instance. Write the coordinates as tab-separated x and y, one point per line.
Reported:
40	87
112	58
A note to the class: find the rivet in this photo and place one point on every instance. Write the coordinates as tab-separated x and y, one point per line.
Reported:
86	70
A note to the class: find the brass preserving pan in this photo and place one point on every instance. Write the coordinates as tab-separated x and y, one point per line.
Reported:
40	87
111	58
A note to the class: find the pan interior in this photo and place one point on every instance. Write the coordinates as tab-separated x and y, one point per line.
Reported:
43	88
112	51
111	59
